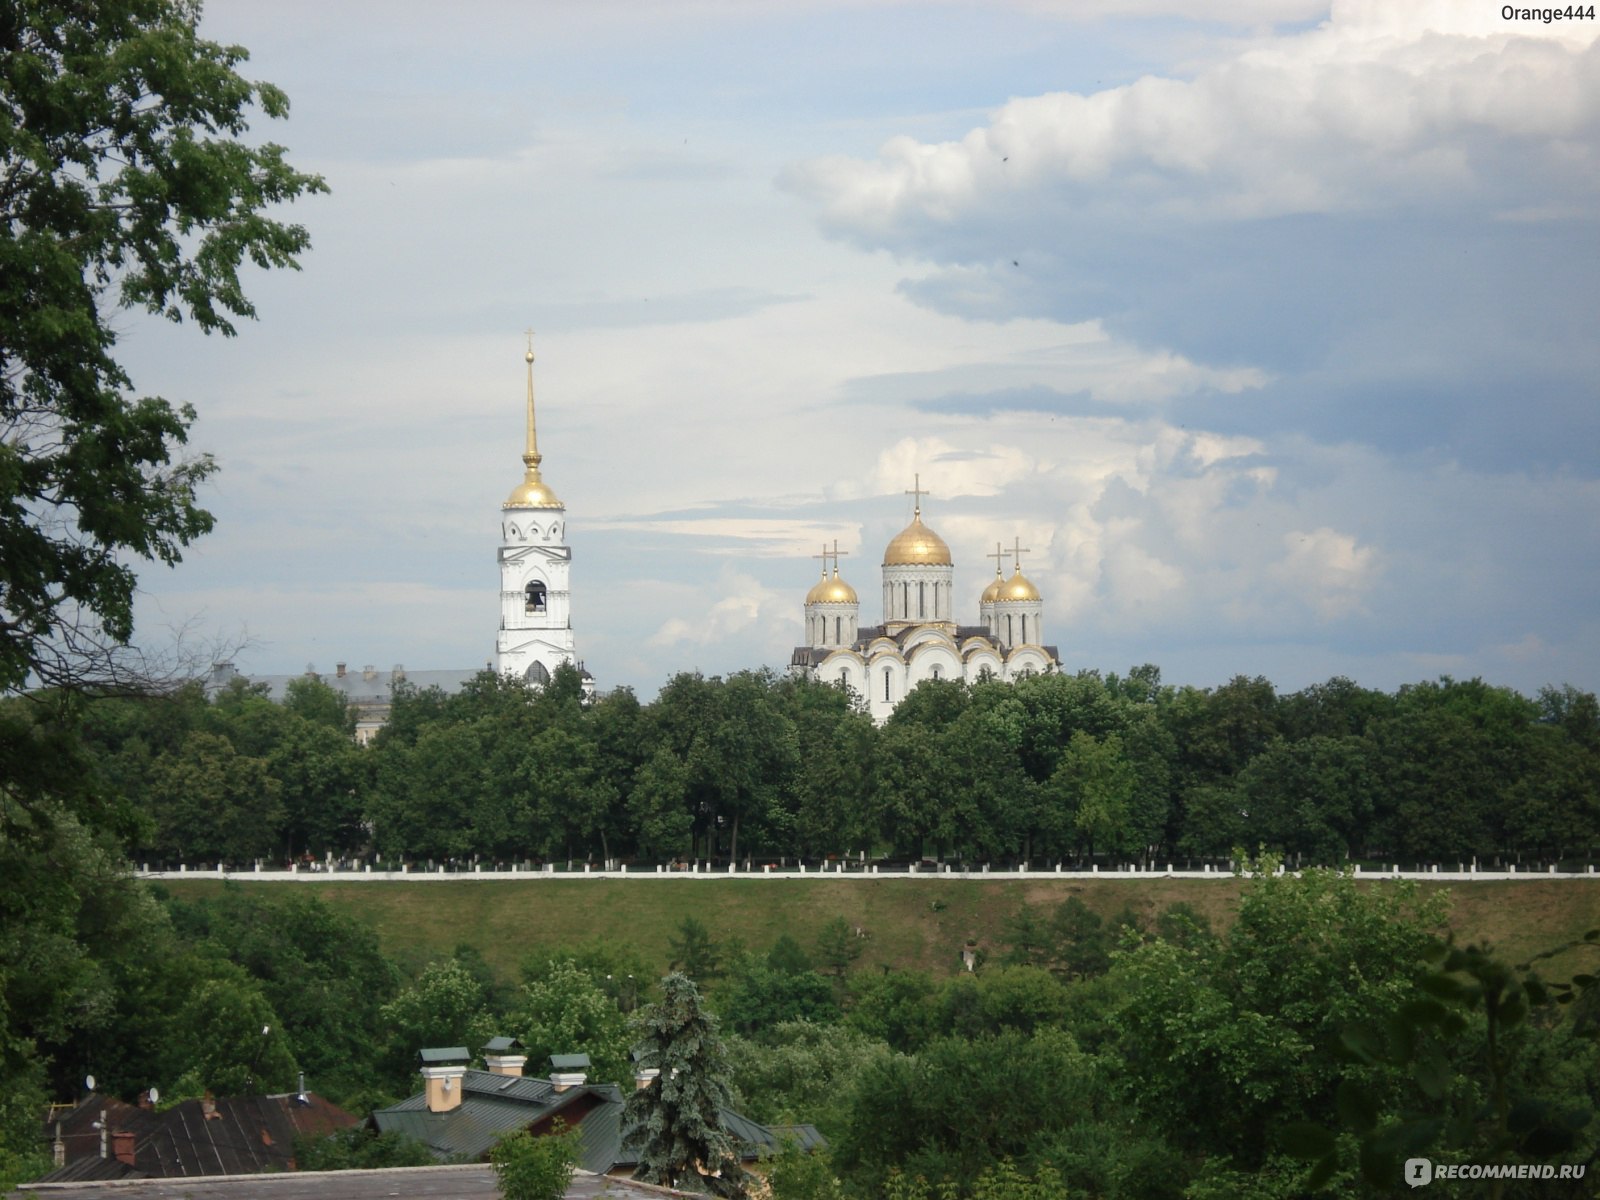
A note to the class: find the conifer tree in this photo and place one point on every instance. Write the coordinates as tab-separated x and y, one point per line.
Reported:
676	1122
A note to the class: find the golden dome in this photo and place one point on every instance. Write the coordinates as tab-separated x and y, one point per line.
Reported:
918	546
1016	588
994	590
532	492
832	591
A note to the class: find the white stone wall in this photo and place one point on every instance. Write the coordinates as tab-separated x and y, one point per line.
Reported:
918	595
1017	622
831	625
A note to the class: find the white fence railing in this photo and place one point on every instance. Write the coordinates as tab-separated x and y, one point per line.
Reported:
415	873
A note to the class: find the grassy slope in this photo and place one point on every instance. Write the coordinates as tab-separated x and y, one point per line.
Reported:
506	921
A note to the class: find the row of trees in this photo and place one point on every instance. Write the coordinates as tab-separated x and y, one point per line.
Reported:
1114	1058
756	765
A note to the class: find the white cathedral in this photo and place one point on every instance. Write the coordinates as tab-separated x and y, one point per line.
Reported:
535	568
919	638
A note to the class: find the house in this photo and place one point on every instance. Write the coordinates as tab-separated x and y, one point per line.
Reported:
103	1138
474	1181
461	1111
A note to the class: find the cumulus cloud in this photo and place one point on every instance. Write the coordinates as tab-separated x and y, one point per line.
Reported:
1327	569
1383	104
733	606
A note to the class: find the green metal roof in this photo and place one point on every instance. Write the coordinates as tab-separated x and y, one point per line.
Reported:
500	1045
442	1055
569	1062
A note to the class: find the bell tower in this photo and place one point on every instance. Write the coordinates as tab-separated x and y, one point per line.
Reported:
535	565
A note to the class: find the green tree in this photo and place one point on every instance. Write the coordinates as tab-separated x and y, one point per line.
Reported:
565	1012
800	1072
838	947
676	1122
535	1168
756	997
694	952
127	181
443	1007
212	803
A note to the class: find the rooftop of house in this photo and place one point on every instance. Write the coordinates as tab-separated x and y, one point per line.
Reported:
232	1135
487	1105
472	1182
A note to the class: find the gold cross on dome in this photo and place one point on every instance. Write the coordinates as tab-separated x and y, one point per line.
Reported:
836	553
1017	551
999	555
918	493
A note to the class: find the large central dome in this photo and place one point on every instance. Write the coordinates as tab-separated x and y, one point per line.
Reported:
917	546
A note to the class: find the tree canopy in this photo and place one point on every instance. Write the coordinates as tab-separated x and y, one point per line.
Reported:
126	180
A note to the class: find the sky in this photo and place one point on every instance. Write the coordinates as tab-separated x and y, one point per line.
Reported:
1269	328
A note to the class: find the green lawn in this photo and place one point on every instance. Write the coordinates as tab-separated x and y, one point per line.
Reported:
902	924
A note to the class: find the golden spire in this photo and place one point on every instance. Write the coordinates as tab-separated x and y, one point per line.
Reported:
532	492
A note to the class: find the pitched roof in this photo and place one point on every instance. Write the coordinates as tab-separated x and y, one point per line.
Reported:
494	1105
240	1135
471	1182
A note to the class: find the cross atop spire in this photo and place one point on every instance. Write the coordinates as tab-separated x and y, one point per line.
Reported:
999	555
918	493
1017	551
836	553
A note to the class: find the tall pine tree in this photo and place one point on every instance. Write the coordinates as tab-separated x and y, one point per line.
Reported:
676	1122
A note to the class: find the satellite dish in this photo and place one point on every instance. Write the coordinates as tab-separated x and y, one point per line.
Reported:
88	1082
155	1095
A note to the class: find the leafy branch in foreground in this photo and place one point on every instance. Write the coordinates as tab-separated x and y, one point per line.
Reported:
124	181
1492	1104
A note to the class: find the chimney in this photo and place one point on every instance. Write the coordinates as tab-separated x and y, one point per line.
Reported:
568	1071
122	1146
338	670
643	1076
444	1070
501	1057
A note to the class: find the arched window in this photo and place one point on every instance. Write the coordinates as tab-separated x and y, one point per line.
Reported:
1008	629
838	634
537	674
936	670
534	597
1024	629
985	674
886	685
922	600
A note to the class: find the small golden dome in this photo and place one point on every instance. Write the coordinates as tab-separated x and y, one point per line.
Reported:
1016	588
832	591
533	492
918	546
994	590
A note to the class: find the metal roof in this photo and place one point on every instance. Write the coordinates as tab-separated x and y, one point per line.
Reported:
441	1055
494	1105
569	1062
499	1045
474	1182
